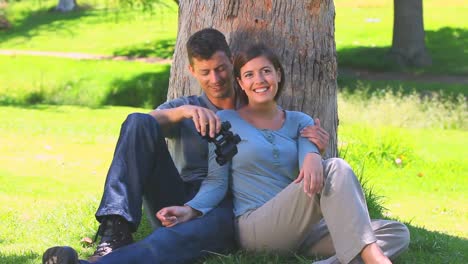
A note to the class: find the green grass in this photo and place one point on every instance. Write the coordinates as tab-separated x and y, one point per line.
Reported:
53	159
90	83
101	29
363	31
67	156
364	35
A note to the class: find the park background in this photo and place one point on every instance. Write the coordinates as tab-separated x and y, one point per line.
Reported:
68	80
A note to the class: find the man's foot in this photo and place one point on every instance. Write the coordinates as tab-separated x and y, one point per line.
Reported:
115	233
60	255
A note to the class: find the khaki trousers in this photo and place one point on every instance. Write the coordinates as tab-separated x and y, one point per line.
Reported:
334	223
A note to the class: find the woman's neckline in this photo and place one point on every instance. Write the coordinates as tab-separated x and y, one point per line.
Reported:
281	116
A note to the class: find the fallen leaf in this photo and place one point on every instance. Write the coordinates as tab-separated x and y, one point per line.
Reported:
86	240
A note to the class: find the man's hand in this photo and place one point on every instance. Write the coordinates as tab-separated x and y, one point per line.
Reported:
317	135
173	215
201	118
312	174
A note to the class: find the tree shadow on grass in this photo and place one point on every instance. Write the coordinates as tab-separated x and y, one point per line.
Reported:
447	46
425	247
44	19
160	49
28	257
434	247
146	90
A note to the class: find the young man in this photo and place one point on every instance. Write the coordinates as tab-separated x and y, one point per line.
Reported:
143	170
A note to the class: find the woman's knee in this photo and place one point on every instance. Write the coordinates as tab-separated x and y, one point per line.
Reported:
336	165
402	231
338	174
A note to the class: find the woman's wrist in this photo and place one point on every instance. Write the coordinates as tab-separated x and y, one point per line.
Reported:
193	213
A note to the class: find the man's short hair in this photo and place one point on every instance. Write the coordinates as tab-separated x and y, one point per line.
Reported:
206	42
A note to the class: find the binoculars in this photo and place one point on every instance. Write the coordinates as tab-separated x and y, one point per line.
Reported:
225	142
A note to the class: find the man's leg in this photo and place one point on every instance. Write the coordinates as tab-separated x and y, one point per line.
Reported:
183	243
141	167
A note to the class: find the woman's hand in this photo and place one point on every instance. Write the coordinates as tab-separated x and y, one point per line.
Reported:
173	215
312	174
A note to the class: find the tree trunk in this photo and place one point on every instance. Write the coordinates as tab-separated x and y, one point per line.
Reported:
408	47
66	5
301	32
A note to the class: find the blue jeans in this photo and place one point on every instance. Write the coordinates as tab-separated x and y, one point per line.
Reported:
142	168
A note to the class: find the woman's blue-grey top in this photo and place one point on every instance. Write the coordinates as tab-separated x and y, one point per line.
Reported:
267	161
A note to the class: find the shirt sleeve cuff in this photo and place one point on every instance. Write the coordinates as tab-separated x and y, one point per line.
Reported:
201	209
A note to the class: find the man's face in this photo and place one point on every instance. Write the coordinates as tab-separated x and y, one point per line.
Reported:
214	75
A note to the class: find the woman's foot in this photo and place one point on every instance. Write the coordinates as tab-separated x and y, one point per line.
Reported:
372	254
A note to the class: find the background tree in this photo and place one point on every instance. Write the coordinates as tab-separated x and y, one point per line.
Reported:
301	32
4	24
408	46
66	5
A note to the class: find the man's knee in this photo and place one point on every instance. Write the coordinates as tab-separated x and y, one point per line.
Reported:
140	119
141	124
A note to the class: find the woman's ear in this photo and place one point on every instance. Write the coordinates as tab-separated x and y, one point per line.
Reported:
278	72
239	81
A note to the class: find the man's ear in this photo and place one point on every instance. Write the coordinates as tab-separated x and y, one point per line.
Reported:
191	70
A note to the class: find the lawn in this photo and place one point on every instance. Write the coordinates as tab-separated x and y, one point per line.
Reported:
59	121
51	201
364	34
92	83
97	31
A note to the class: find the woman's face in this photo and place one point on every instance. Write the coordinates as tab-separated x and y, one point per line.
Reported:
259	80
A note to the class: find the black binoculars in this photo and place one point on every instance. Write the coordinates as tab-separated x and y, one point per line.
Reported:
225	142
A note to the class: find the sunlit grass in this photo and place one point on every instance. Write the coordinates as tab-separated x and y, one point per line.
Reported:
31	80
67	151
414	152
54	159
364	31
100	29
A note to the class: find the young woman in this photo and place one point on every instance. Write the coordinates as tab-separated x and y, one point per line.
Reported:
286	199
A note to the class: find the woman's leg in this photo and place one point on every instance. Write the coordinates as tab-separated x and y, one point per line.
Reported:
287	221
392	238
281	224
347	219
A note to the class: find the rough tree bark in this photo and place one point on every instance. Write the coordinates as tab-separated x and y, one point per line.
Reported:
66	5
408	46
301	32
